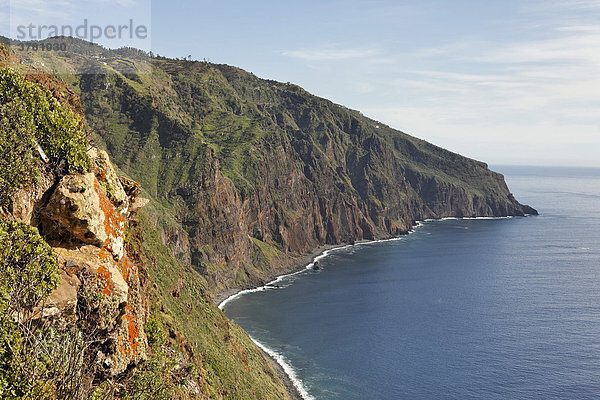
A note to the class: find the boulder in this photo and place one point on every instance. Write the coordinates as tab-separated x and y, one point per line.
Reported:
75	206
80	207
109	292
102	273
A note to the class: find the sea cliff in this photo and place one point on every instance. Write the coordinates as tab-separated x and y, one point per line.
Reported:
244	177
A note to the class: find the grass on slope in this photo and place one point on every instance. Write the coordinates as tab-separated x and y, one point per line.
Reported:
230	365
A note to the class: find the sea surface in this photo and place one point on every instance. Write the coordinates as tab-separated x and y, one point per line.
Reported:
459	309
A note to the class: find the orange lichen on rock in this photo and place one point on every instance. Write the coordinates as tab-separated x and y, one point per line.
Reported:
114	223
101	173
104	254
133	332
103	278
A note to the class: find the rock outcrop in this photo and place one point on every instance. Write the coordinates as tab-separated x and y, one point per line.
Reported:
100	290
74	208
80	214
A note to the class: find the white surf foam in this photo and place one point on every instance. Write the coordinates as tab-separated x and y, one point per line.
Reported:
465	218
274	282
290	372
508	217
309	266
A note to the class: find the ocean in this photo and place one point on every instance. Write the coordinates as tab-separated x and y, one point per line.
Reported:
459	309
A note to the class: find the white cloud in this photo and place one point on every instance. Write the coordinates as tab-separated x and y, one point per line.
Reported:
331	54
572	4
539	143
567	49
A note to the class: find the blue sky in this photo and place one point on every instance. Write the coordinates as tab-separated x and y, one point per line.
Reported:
506	82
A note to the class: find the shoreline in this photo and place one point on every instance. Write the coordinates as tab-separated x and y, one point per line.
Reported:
285	372
296	267
302	263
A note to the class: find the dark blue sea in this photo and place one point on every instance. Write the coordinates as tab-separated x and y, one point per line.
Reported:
459	309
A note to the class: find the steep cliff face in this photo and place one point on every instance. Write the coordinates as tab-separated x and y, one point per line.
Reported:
258	172
303	198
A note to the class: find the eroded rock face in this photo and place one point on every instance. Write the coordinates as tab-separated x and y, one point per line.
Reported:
80	208
111	294
91	261
75	207
27	202
63	301
305	198
105	171
100	288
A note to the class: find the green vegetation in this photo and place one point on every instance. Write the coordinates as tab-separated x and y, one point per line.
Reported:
28	267
229	363
154	331
18	164
268	251
28	274
30	116
244	175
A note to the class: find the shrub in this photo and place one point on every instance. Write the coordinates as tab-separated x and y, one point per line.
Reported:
29	114
18	165
28	268
28	274
154	331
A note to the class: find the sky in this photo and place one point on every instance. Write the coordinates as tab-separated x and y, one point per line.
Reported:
505	82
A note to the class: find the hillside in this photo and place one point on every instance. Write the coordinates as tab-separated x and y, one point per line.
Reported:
245	176
83	273
257	172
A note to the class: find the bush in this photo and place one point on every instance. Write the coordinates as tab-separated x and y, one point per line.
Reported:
28	268
18	166
153	380
28	274
154	331
29	114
